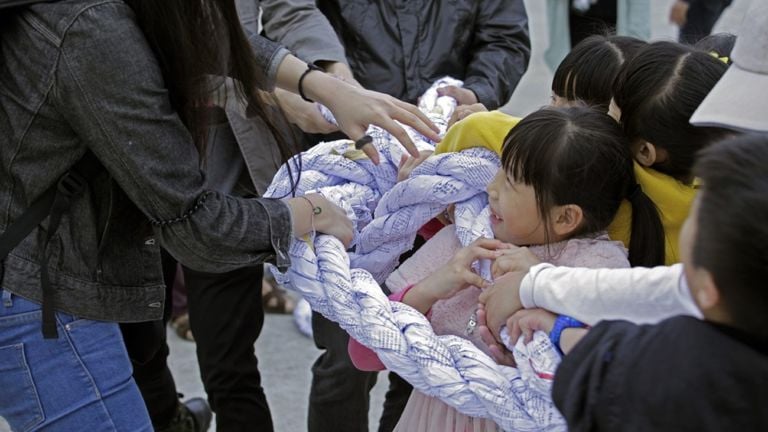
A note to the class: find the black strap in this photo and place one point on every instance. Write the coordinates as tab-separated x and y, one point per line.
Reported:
54	202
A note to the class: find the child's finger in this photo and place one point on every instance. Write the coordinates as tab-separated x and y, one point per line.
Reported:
473	278
486	336
501	355
514	328
527	330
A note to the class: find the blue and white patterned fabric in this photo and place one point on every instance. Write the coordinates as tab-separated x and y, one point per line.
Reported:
345	288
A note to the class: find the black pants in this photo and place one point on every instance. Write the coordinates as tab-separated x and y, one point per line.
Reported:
702	16
226	316
148	350
599	19
340	395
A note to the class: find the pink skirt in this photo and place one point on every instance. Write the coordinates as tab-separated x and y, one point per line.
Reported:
427	414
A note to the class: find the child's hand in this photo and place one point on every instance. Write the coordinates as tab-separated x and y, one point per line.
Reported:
527	321
514	259
499	352
454	276
501	300
408	164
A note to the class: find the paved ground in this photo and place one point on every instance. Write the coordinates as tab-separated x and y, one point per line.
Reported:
285	355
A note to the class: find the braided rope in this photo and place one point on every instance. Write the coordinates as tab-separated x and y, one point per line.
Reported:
345	287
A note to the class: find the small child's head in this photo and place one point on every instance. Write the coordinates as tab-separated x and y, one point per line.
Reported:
718	45
565	171
724	242
587	73
656	93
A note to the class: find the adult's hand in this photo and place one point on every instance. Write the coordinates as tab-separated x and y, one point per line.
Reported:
463	96
305	115
356	109
679	13
462	111
313	212
340	71
501	300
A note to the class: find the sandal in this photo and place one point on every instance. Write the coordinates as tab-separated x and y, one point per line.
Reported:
181	326
275	299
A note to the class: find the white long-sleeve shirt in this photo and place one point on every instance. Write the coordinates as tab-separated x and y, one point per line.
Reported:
639	295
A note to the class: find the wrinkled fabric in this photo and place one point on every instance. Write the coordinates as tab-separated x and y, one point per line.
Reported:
341	287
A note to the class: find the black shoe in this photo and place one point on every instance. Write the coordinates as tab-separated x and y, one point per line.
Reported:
194	415
201	412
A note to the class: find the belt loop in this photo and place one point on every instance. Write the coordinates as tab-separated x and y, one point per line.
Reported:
7	300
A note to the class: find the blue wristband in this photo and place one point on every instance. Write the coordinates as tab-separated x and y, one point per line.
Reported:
563	322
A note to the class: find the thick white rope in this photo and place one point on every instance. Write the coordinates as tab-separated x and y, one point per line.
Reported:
448	367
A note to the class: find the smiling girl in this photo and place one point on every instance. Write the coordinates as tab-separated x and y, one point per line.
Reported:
564	173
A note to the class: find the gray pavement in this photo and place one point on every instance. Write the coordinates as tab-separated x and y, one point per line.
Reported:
285	355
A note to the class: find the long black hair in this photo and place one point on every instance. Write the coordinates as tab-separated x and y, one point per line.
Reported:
193	40
658	91
588	71
580	156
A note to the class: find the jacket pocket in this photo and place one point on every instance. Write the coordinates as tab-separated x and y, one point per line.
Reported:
19	401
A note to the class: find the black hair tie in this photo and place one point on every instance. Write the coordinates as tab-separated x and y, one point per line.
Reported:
634	192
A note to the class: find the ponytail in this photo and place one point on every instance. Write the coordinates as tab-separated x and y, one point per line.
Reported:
646	244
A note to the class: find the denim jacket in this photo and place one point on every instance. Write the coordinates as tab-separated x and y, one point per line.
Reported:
76	76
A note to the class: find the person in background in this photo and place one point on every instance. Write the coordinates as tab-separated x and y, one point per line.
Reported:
570	21
400	47
696	18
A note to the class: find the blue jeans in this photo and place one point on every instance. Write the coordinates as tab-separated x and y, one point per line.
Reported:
80	381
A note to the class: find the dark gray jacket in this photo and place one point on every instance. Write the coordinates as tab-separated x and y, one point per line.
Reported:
77	76
401	47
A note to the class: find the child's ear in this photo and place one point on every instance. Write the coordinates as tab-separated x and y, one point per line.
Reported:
647	154
707	296
568	218
644	153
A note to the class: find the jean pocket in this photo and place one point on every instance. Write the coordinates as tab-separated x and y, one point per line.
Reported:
19	401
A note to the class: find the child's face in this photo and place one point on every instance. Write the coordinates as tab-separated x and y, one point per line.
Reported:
514	214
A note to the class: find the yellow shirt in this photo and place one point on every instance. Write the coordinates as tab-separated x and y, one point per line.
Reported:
672	198
483	129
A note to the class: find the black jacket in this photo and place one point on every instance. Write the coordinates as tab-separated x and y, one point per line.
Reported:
400	47
680	375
